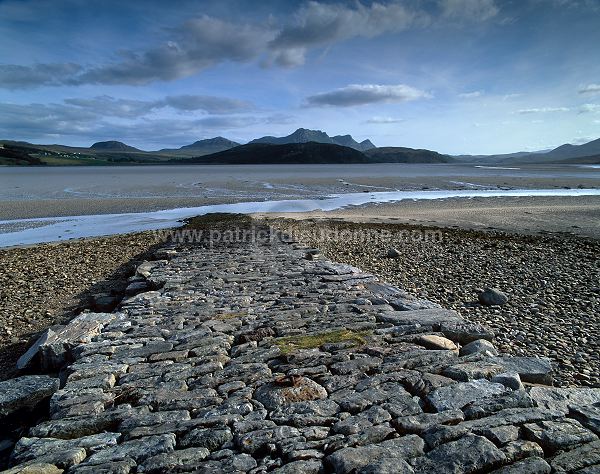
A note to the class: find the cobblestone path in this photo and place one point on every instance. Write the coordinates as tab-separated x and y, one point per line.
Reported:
246	357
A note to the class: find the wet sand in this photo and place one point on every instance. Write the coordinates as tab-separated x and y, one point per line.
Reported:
527	215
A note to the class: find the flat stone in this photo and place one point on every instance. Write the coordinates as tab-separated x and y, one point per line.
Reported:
588	416
431	341
352	459
25	393
553	436
511	380
530	369
419	423
489	405
210	439
117	467
458	395
473	370
289	390
464	332
387	466
532	465
479	346
578	458
432	318
560	398
466	455
310	466
138	449
182	459
35	468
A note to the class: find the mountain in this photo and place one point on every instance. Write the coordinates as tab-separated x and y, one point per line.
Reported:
304	135
112	145
575	151
202	147
394	154
287	153
347	140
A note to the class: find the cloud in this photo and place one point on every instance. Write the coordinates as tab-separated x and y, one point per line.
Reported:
590	89
208	104
469	10
105	118
127	108
27	77
543	110
589	108
204	42
470	95
383	120
363	94
198	44
321	24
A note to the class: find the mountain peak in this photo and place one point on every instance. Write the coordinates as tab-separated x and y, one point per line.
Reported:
112	145
304	135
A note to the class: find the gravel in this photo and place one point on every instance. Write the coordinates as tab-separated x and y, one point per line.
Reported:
48	284
552	283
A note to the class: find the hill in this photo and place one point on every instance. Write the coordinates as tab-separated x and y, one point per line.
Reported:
304	135
113	145
406	155
202	147
289	153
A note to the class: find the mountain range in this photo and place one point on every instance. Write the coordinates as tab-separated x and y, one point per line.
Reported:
301	146
303	135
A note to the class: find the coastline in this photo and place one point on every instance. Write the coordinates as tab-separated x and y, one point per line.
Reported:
45	284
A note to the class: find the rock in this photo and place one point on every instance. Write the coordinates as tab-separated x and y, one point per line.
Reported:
136	287
553	436
419	423
511	380
25	393
467	455
430	341
468	371
286	390
53	347
458	395
588	416
352	459
35	468
532	465
211	439
268	439
138	449
311	466
530	369
181	459
464	332
393	253
501	435
479	346
560	398
492	296
427	318
387	466
578	458
105	302
487	406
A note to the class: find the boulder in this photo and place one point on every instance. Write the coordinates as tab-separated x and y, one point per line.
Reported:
479	346
492	297
530	369
25	393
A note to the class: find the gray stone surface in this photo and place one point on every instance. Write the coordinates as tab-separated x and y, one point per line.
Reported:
248	357
25	393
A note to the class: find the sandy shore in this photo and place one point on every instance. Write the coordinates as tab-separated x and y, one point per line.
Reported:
527	215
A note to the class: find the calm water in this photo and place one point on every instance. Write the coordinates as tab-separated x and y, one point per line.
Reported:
267	188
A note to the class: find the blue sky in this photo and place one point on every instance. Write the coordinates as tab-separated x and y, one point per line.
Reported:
456	76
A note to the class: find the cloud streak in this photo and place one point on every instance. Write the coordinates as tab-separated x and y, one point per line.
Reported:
590	89
364	94
204	42
543	110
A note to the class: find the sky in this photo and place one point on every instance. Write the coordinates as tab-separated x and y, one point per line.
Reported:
455	76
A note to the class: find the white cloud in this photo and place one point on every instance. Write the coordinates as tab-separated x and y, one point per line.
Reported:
589	108
469	10
384	120
470	95
590	89
362	94
543	110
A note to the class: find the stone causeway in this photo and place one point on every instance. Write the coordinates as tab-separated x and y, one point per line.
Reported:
253	357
